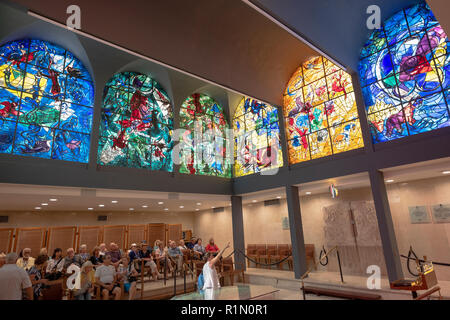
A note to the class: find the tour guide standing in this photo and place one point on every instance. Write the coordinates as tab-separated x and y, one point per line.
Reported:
209	270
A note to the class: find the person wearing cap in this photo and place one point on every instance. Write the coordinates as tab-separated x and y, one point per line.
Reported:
86	286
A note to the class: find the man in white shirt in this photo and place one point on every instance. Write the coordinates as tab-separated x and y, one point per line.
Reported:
13	280
106	278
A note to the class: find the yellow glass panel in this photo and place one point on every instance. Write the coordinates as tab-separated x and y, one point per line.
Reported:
299	150
313	70
329	66
316	92
346	136
342	109
339	83
320	144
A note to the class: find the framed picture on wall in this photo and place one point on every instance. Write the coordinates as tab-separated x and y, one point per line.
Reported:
285	223
441	213
419	214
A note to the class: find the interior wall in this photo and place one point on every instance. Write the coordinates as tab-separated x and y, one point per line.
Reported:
69	218
217	225
429	239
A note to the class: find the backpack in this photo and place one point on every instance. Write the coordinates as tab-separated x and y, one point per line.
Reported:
200	282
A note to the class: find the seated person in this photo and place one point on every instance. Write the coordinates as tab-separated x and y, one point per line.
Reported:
103	249
26	261
160	255
134	252
86	286
55	265
82	256
96	258
191	244
176	254
106	278
115	253
211	246
70	258
128	274
43	252
199	249
182	246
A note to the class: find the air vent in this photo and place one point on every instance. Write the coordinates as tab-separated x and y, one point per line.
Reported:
174	196
273	202
220	209
4	219
102	218
88	193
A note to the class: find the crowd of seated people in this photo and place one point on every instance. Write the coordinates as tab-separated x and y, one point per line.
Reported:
107	268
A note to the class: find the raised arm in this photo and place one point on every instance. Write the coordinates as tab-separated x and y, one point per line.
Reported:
217	258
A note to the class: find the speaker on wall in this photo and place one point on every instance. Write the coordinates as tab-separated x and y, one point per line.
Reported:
102	218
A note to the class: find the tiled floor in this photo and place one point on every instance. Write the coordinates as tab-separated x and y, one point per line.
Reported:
290	286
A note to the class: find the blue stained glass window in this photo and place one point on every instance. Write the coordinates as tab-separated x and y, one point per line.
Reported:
46	102
404	71
136	124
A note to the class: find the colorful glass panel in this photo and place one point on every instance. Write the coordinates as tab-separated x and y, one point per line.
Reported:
46	102
256	133
136	124
204	143
320	112
404	70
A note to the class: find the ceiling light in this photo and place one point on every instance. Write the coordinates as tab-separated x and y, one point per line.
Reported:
389	180
160	202
145	206
254	201
279	197
44	204
37	208
101	205
131	209
114	201
199	203
445	172
90	208
53	200
166	209
213	207
197	209
308	192
181	207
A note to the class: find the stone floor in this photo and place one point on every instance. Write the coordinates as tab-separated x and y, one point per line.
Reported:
290	287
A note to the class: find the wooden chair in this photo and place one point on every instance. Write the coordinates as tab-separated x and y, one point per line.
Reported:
261	250
251	253
283	252
98	291
53	291
272	253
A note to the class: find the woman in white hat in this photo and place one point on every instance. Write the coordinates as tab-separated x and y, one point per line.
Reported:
86	287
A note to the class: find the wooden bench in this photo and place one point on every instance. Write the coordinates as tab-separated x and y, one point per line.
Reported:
341	293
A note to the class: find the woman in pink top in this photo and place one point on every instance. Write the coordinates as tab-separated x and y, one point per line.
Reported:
211	247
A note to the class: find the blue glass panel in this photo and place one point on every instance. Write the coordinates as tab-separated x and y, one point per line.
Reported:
46	55
9	103
79	91
41	111
7	131
71	146
76	118
74	68
33	141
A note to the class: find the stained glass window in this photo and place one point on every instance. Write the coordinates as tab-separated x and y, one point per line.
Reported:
136	124
405	73
320	112
204	142
257	138
46	102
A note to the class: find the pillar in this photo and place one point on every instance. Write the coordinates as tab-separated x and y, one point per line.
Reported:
238	232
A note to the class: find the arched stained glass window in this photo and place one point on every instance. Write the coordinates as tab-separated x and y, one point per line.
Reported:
257	138
205	140
46	100
136	125
320	111
405	75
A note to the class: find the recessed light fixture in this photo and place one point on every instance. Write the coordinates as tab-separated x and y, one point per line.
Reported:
389	181
279	197
197	209
213	207
101	205
37	208
181	207
90	208
114	201
131	209
166	209
254	201
53	200
308	192
145	206
199	203
160	202
445	172
44	204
